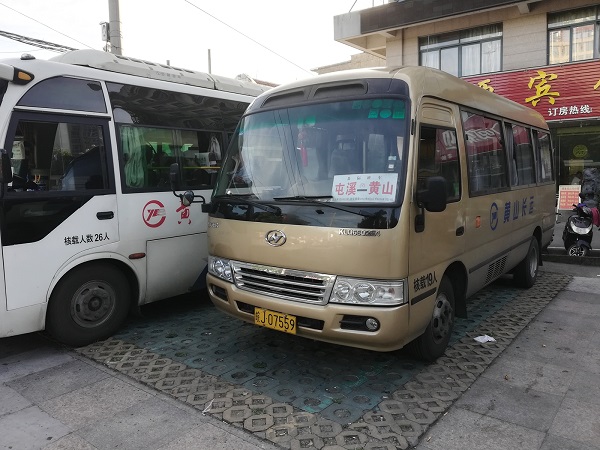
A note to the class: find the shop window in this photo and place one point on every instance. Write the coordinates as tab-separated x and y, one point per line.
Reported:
572	35
464	53
486	155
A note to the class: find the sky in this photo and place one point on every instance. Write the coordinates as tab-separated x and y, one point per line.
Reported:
271	40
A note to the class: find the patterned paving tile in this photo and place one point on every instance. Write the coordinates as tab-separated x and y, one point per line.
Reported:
299	393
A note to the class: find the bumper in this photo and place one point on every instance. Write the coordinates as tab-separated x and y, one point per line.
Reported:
329	323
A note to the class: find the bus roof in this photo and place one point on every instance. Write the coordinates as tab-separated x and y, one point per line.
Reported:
98	59
423	81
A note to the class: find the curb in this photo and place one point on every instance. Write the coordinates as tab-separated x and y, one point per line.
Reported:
559	255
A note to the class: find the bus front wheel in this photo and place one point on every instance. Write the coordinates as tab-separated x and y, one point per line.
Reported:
88	305
433	342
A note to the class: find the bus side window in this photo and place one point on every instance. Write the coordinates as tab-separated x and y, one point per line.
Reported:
522	155
486	155
146	154
544	155
438	156
58	156
201	160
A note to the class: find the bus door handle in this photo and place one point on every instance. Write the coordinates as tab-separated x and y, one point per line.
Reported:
460	231
105	215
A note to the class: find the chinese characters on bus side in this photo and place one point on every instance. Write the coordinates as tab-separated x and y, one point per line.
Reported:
512	211
154	214
86	239
424	281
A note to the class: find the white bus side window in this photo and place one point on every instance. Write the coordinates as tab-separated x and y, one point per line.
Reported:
486	155
438	156
58	156
66	93
185	128
147	154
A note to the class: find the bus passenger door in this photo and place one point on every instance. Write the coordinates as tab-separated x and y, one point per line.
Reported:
153	220
61	203
436	238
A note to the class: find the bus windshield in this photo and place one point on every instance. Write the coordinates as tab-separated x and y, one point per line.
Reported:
340	151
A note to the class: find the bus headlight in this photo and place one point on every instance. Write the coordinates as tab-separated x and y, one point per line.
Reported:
220	268
368	292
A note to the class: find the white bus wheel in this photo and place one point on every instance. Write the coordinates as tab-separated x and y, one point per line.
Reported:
433	342
525	274
88	304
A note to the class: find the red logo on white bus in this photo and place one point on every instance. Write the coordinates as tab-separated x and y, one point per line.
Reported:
154	214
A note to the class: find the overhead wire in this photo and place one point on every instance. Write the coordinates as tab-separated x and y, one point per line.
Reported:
23	51
43	24
46	45
248	37
191	4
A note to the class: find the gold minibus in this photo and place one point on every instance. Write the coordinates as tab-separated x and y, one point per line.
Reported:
363	208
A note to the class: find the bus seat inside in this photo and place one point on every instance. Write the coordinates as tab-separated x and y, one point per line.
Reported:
344	157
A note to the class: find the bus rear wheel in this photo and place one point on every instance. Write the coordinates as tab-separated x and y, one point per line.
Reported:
525	274
433	342
88	304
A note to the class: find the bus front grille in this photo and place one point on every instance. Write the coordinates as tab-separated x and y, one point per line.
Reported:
286	284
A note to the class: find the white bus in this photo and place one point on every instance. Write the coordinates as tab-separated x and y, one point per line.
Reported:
362	208
89	225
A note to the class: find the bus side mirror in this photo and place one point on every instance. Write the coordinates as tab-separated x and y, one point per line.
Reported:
433	197
188	197
5	168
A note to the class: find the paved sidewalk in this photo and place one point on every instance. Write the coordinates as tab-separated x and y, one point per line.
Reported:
54	398
542	392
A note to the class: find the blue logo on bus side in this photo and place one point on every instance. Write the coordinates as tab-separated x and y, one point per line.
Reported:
493	216
512	211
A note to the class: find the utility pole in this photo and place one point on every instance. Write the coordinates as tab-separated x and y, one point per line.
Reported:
114	27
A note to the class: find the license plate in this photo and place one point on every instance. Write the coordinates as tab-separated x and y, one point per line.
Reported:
275	320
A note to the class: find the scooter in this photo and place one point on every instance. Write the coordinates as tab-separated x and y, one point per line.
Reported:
577	235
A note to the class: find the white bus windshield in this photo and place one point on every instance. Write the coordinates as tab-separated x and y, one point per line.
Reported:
347	152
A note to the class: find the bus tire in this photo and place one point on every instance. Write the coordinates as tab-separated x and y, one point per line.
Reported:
433	342
525	274
89	304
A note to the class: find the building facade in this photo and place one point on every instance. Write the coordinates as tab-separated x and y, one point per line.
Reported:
541	53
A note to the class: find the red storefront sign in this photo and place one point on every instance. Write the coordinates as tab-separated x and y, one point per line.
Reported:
562	92
568	195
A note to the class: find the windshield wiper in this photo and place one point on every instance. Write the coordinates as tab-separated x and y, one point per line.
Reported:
243	198
314	200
